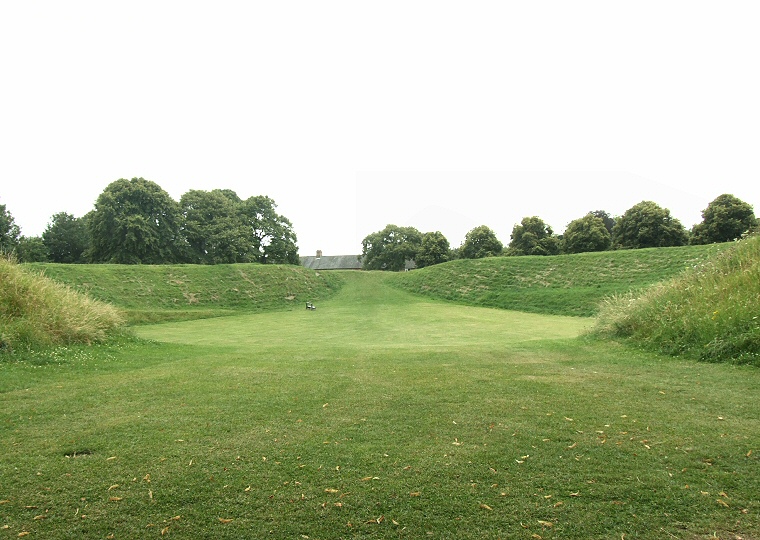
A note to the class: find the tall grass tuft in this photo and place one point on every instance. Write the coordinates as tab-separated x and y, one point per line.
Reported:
37	312
710	312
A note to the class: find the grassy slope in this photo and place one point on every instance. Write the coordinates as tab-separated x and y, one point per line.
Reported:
157	293
709	312
380	415
38	312
562	285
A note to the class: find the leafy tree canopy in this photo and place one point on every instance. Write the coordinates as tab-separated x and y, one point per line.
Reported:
588	233
726	218
434	249
609	221
647	224
272	237
390	248
66	238
213	227
533	237
135	221
480	242
9	231
31	249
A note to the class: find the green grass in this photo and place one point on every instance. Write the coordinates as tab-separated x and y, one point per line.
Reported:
560	285
380	415
710	312
150	294
38	312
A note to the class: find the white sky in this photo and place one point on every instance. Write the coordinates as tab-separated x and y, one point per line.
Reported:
352	115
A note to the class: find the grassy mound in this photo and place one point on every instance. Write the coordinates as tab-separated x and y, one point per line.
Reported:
150	294
561	285
37	312
711	312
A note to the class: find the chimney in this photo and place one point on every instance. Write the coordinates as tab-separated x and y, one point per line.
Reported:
319	254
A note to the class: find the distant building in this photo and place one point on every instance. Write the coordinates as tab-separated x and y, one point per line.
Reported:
332	262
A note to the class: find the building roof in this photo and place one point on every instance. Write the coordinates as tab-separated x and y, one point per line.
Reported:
333	262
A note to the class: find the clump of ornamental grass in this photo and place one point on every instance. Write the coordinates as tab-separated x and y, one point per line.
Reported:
710	312
36	312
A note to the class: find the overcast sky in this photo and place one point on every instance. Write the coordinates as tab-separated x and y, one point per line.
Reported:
353	115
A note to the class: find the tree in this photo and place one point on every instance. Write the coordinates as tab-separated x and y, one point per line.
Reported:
609	221
390	248
9	231
213	228
533	237
271	234
31	249
645	225
726	218
586	234
135	221
480	242
66	238
434	249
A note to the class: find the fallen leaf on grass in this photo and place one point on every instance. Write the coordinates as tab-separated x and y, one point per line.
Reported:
572	446
486	507
164	531
415	494
547	524
41	516
114	499
23	533
247	489
377	521
722	503
111	458
225	520
6	501
113	487
331	490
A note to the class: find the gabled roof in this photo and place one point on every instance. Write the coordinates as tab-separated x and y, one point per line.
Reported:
333	262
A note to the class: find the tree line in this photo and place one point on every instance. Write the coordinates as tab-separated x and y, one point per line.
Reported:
644	225
137	222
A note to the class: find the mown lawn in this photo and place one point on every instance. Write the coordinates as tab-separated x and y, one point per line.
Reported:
379	415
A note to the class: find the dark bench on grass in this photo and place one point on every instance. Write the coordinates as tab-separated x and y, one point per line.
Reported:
309	305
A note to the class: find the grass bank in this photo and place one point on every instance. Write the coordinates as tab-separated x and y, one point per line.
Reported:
709	312
560	285
149	294
379	415
38	312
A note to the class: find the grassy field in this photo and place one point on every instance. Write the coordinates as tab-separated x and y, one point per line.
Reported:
150	294
561	285
379	415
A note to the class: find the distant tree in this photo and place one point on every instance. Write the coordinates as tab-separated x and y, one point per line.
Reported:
480	242
586	234
135	221
31	249
726	218
609	221
647	224
271	234
434	249
9	231
533	237
390	248
213	227
66	238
